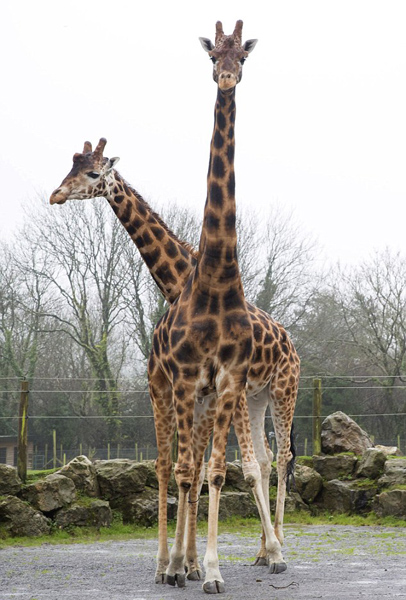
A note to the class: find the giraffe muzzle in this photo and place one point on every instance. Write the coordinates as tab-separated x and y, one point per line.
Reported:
227	81
57	197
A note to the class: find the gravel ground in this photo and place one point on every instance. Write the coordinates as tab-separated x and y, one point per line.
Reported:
334	562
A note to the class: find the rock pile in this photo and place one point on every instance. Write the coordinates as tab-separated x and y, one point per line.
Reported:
83	493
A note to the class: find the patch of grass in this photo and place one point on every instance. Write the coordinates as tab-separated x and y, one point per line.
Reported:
235	525
33	476
365	483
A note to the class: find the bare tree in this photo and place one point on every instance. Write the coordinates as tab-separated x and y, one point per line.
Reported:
80	258
289	276
371	299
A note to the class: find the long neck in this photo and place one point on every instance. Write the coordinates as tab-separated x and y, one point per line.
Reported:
169	260
218	241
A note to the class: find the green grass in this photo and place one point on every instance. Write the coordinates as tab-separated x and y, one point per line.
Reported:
242	527
33	476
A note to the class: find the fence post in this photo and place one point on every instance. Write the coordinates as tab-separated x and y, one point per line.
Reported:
54	448
317	416
23	433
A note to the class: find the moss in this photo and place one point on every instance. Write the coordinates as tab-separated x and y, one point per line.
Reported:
306	461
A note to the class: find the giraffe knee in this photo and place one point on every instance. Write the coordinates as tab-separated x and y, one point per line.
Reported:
184	474
217	481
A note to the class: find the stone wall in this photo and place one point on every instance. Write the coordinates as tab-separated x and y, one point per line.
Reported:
84	493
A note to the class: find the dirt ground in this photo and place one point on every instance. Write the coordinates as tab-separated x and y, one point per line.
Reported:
334	562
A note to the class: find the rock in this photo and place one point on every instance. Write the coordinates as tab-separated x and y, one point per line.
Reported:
239	504
335	467
394	472
95	514
308	483
120	478
10	483
339	433
235	478
142	509
19	519
83	474
391	503
346	497
152	479
389	450
46	495
293	502
371	464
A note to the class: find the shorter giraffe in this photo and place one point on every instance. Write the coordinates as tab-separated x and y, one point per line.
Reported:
274	369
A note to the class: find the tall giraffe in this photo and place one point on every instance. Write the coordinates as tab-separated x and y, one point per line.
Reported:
204	342
274	369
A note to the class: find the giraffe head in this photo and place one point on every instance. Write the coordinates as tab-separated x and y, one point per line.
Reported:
228	55
87	178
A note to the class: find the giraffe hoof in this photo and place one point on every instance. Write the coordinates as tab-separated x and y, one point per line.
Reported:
178	579
214	587
275	568
160	578
261	562
195	575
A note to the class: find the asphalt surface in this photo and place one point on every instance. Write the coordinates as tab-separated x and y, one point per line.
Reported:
334	562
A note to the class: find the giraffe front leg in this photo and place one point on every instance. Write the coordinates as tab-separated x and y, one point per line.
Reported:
164	420
184	475
202	427
226	403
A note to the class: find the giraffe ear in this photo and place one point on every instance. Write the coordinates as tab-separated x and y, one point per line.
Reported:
111	163
249	45
206	44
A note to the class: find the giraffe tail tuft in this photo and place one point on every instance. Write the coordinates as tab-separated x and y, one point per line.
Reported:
290	471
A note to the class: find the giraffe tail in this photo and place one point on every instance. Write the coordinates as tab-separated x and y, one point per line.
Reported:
290	470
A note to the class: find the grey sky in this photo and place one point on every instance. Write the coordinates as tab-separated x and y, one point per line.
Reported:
321	118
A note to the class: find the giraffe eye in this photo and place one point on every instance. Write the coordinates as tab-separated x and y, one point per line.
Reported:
93	174
242	60
213	59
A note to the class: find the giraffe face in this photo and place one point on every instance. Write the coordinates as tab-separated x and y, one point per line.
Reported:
228	55
87	178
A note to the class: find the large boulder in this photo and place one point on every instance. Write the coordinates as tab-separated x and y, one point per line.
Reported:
120	478
51	493
97	513
20	519
335	467
232	504
10	483
346	497
340	433
235	478
83	474
394	473
371	464
152	479
391	503
308	483
389	450
142	509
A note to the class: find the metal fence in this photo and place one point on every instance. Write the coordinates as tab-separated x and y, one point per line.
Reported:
318	397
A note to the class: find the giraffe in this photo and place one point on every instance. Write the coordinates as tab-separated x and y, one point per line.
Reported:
274	369
204	343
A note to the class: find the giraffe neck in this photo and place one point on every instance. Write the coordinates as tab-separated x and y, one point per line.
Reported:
169	260
218	241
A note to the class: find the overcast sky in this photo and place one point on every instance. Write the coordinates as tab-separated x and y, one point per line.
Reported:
321	109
